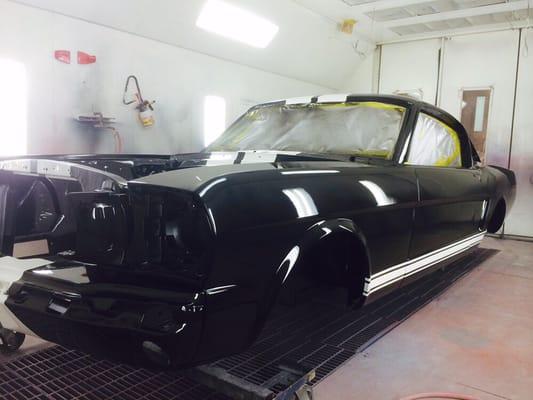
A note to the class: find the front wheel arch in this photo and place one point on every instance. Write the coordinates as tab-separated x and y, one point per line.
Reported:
334	251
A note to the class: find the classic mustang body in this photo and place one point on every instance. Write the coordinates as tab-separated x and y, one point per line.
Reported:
177	260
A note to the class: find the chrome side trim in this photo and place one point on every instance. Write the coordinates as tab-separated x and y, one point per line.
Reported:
397	272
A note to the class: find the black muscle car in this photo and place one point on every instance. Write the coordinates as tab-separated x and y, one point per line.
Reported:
177	260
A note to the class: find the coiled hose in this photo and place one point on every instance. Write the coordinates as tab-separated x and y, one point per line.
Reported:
439	395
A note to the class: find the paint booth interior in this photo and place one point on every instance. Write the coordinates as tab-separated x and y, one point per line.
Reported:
167	168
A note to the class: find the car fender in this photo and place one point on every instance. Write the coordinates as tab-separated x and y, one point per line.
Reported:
312	237
297	255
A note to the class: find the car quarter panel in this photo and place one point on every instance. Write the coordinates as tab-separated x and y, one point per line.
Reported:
452	204
501	185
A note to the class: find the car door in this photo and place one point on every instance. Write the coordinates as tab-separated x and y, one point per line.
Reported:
452	191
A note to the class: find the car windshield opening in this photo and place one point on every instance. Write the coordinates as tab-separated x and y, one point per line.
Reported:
368	129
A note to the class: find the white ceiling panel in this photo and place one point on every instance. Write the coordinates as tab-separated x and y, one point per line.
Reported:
384	21
430	7
508	17
308	46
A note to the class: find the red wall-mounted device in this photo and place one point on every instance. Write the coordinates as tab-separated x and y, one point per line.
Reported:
84	58
62	56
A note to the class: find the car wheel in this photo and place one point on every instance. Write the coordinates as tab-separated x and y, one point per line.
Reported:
10	341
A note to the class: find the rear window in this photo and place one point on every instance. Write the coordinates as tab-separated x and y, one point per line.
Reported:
434	144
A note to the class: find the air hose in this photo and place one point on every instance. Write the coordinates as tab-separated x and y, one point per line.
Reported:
439	395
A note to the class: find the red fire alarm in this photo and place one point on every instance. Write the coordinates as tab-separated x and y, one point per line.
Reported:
62	56
84	58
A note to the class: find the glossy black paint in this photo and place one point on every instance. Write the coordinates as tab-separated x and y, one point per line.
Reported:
188	259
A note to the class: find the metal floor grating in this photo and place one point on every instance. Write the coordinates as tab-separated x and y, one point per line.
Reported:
314	334
60	374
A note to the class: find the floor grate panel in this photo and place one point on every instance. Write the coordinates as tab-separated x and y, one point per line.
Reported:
313	334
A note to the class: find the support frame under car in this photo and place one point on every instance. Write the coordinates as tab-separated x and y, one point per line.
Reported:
298	342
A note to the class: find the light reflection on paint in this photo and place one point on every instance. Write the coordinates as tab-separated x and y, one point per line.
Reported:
483	210
210	186
316	171
302	202
220	289
327	231
221	158
43	272
212	218
182	327
291	258
102	206
317	224
379	195
404	150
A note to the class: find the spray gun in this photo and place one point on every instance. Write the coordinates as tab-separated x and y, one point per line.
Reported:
145	107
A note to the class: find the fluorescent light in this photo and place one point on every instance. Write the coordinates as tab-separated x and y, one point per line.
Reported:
13	113
235	23
214	118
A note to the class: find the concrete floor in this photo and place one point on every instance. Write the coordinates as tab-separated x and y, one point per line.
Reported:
476	339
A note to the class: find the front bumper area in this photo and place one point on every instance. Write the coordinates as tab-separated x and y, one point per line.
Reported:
108	314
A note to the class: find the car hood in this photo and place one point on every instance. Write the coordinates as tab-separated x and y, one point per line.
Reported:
196	171
189	172
243	157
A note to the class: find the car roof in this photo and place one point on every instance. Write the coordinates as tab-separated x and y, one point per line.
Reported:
405	101
345	98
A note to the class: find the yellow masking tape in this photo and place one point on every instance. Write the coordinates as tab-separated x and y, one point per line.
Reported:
448	161
374	153
369	104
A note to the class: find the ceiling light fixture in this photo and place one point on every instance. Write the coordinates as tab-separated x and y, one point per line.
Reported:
235	23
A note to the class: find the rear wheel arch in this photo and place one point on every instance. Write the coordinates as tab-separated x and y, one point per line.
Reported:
497	217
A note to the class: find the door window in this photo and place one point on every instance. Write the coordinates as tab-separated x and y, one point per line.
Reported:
434	144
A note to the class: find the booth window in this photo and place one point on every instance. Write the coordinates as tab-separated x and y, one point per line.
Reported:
13	89
434	144
214	118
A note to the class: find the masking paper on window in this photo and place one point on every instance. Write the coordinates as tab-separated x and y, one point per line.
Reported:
434	143
369	129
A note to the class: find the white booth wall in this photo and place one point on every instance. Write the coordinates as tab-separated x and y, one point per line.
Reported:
520	222
485	60
476	61
178	79
410	66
